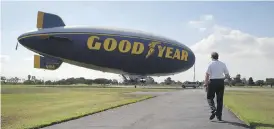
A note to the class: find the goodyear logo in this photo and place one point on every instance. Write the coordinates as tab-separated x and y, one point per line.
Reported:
136	48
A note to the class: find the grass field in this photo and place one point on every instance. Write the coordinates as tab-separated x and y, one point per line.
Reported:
30	106
254	106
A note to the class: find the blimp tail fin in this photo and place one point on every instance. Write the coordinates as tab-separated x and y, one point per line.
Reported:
48	63
48	20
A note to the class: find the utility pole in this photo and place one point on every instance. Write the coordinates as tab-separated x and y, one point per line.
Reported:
194	74
44	78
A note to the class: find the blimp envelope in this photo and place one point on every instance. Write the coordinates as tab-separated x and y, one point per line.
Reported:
106	49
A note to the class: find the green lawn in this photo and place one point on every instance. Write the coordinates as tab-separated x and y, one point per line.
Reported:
255	107
29	106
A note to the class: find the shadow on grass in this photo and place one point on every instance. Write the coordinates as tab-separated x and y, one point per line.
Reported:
254	125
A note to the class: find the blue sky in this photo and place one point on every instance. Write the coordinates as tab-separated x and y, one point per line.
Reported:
169	19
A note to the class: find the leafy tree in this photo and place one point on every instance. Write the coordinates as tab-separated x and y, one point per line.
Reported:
244	81
16	79
48	82
179	83
168	81
233	81
39	82
3	79
28	82
88	81
260	82
238	78
80	80
33	78
102	81
250	81
29	76
115	82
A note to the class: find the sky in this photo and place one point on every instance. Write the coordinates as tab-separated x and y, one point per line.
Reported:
241	32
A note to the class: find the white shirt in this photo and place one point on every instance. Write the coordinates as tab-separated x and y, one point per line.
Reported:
217	70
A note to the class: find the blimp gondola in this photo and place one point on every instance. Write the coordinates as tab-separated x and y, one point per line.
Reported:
111	50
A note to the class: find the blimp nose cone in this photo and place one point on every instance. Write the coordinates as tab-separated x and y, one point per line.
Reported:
28	41
22	39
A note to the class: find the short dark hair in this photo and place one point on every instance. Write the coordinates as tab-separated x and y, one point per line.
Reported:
214	55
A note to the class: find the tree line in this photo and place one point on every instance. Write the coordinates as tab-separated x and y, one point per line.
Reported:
32	80
238	81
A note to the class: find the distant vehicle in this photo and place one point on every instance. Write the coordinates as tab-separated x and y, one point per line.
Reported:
191	84
134	79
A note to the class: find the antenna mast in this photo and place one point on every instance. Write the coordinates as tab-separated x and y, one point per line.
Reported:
194	73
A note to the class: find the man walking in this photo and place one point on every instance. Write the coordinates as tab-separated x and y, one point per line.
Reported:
214	83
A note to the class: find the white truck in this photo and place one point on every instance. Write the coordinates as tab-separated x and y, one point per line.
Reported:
191	84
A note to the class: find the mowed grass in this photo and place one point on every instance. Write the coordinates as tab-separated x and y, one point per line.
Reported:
30	106
256	107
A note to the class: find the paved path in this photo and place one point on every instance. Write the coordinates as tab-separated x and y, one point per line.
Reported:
184	109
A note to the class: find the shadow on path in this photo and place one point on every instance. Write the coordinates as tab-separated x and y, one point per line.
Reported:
234	123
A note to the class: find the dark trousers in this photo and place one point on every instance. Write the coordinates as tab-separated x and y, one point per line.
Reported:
216	86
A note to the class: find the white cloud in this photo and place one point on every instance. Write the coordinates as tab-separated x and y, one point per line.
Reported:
31	58
204	22
243	53
4	58
202	29
207	17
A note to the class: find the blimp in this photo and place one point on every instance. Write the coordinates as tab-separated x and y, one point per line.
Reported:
119	51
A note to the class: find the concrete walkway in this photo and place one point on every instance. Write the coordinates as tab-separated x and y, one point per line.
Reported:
184	109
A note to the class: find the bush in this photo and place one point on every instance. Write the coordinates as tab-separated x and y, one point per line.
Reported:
239	84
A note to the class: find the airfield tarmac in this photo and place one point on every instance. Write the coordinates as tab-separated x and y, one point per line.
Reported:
181	109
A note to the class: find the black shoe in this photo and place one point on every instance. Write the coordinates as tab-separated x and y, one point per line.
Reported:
219	118
212	116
